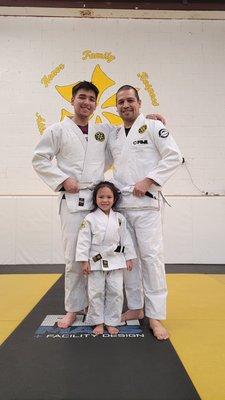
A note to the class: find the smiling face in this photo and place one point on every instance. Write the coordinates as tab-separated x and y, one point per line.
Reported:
105	199
128	106
84	103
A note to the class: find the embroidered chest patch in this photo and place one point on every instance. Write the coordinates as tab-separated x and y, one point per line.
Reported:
142	129
99	136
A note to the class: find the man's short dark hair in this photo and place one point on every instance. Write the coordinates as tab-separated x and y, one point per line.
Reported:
128	87
85	85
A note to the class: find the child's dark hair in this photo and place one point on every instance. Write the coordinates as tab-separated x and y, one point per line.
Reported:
112	187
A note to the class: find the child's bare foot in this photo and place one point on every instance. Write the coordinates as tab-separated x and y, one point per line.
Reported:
98	330
67	320
112	330
159	331
132	314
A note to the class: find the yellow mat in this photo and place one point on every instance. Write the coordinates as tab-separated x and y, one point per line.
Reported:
196	321
18	295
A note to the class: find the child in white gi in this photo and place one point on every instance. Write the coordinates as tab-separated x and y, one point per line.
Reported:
105	248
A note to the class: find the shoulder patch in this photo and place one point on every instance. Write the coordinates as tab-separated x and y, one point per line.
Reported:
142	129
120	221
83	224
100	136
163	133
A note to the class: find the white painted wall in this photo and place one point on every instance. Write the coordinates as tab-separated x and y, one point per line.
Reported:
185	62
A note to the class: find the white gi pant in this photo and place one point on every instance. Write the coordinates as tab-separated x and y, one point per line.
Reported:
148	276
105	292
75	283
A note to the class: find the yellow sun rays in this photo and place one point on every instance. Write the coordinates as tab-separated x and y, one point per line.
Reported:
103	82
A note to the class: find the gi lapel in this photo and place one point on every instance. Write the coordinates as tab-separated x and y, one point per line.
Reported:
127	143
72	127
111	229
110	221
89	150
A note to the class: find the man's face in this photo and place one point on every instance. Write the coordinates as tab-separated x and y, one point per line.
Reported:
84	103
128	106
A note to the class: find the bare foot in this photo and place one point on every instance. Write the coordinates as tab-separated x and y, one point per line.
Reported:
132	314
98	330
67	320
112	330
159	331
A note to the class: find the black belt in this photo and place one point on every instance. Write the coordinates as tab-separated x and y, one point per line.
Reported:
119	249
150	195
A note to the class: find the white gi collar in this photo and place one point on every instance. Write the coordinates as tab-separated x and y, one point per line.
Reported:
69	124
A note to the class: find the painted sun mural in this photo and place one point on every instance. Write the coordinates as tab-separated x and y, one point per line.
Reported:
105	110
103	82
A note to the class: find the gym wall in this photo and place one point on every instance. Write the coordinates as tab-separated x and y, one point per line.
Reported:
178	67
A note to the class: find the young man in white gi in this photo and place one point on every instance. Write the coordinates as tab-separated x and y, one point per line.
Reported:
145	156
79	166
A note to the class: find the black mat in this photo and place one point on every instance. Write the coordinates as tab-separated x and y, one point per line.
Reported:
124	368
60	268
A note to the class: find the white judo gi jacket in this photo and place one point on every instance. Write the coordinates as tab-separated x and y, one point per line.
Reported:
75	158
148	151
99	237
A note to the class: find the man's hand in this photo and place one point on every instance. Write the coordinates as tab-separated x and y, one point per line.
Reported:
141	187
71	185
129	265
86	267
157	117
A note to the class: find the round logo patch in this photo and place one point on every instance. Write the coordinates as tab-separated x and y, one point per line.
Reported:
163	133
142	129
100	136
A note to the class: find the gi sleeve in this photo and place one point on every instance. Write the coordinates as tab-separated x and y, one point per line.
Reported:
170	154
45	151
126	241
84	241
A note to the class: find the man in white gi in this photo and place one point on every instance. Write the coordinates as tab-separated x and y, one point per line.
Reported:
145	156
79	166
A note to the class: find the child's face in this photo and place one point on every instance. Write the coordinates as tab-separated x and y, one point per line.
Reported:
105	199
